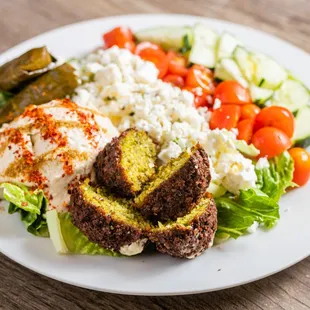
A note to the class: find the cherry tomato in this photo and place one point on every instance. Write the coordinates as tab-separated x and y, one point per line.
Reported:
227	116
245	130
271	141
174	79
277	117
143	45
201	97
158	57
120	36
231	92
249	111
301	165
177	64
199	76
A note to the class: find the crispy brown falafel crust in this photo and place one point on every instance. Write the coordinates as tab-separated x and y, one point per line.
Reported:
99	227
110	172
188	242
178	195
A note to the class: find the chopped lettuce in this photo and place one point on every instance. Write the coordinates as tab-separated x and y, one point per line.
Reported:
30	204
67	238
236	215
274	181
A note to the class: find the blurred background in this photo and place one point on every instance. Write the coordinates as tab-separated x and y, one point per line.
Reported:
23	19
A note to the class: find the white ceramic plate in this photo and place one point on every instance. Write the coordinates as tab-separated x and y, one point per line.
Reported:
233	263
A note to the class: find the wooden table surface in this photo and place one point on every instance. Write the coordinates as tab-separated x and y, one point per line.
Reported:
24	289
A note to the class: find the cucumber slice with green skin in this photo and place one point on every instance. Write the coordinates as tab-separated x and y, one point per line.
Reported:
204	46
268	73
292	95
170	37
227	43
227	69
260	95
302	128
246	149
244	60
216	190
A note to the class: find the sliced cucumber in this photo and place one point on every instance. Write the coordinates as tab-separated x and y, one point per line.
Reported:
226	45
227	69
292	95
244	60
246	149
302	127
204	46
170	37
260	95
216	190
268	73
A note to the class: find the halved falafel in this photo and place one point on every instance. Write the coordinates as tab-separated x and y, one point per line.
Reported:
126	163
188	236
177	187
111	222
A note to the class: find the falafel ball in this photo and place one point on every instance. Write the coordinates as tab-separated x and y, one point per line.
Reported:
177	187
111	222
125	164
188	236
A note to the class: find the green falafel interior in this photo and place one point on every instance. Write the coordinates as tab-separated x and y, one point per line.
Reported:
164	173
138	157
119	208
187	219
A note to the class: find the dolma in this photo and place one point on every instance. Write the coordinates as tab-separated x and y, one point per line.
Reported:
31	64
54	84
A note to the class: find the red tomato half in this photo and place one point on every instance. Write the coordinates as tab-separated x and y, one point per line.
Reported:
174	79
301	165
227	116
277	117
245	130
271	141
249	111
199	76
177	64
120	36
231	92
158	57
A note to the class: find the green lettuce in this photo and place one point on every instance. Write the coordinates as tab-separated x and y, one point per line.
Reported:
274	181
236	215
30	204
67	238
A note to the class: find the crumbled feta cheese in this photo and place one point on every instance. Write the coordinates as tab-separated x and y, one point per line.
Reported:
127	90
262	163
133	248
217	104
252	229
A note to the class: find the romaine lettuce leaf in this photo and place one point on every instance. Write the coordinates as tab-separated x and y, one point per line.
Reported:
274	181
67	238
236	215
30	204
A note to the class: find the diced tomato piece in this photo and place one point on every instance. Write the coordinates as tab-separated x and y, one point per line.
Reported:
120	36
177	64
147	45
245	130
199	76
231	92
249	111
271	141
278	117
200	96
174	79
225	117
158	57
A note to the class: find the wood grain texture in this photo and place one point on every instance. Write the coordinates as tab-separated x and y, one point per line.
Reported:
23	289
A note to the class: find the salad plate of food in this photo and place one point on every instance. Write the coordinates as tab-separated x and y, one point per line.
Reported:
155	154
